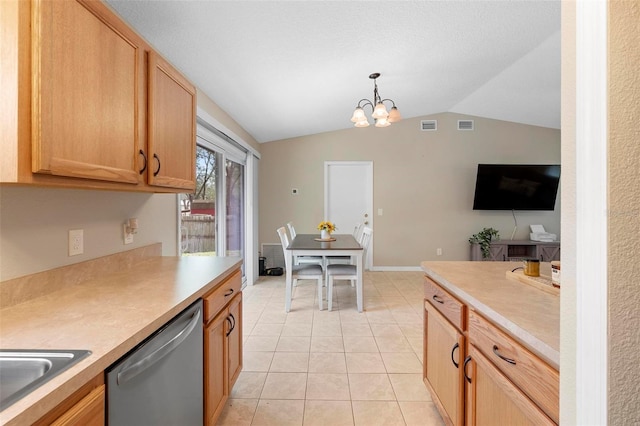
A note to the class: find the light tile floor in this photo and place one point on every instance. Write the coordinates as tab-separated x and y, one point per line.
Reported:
311	367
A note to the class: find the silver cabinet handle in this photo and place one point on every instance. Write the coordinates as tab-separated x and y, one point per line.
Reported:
133	370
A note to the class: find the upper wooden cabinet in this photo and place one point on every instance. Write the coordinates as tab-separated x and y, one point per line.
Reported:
88	92
172	127
95	106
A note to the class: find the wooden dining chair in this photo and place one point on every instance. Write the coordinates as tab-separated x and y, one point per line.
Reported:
347	272
298	272
303	260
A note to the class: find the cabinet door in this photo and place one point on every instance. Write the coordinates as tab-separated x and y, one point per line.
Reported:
494	400
172	127
547	253
215	369
89	411
87	92
235	340
444	345
497	252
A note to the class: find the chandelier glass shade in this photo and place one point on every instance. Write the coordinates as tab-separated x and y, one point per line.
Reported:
382	117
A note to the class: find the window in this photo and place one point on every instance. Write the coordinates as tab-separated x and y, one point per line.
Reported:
234	194
220	217
198	210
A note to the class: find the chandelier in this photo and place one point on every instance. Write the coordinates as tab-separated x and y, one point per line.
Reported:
380	114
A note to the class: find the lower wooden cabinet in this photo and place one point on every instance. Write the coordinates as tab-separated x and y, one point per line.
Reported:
532	376
479	375
492	399
89	411
215	348
443	353
234	340
85	407
222	346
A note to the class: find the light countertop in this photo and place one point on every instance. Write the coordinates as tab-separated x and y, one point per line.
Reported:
108	315
528	314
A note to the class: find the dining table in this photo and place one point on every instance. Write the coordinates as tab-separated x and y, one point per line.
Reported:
337	245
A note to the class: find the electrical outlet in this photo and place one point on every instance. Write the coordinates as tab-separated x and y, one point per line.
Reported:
128	236
76	242
439	252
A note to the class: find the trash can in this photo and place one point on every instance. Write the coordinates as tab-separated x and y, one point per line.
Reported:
261	267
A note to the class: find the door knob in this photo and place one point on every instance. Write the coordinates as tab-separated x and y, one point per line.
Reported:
366	215
366	222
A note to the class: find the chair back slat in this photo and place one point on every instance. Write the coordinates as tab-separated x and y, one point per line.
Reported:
284	240
365	239
357	232
292	230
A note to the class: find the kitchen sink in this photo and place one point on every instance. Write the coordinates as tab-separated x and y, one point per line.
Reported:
22	371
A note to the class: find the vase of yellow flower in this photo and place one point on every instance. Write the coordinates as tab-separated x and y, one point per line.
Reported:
326	228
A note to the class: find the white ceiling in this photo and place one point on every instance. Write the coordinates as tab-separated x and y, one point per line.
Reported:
284	69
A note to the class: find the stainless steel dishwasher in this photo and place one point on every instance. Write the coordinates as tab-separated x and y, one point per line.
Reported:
160	382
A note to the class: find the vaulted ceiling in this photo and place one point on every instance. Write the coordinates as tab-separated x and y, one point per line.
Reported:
284	69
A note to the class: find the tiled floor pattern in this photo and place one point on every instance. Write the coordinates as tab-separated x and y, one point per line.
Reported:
311	367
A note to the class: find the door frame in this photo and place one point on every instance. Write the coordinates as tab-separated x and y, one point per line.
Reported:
369	169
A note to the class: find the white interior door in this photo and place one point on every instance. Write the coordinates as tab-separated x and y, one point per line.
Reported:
348	196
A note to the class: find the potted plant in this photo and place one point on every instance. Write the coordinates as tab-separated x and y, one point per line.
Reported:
483	239
326	228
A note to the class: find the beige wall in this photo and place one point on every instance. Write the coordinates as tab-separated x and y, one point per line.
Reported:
423	181
624	211
225	119
34	222
34	225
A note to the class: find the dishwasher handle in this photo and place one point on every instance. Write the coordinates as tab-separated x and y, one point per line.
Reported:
133	370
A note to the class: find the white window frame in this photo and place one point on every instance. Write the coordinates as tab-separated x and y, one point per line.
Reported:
249	160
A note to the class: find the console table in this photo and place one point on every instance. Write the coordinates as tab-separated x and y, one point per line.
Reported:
513	250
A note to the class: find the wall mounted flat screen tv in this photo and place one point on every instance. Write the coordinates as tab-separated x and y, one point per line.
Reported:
516	186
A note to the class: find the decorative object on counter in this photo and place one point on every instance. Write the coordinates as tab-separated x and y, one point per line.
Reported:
542	282
531	267
555	273
483	238
326	228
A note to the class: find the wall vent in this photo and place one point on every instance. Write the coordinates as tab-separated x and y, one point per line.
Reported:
428	125
274	255
465	124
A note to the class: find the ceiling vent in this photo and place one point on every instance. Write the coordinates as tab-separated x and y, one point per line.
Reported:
465	124
428	125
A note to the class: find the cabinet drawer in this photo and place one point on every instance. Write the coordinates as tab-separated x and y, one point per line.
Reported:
533	376
494	400
218	298
444	302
